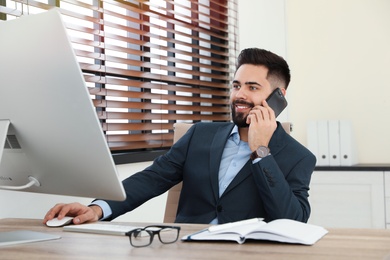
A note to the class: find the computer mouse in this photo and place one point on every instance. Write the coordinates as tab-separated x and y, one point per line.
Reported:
55	222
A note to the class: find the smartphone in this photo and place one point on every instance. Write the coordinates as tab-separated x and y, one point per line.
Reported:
277	101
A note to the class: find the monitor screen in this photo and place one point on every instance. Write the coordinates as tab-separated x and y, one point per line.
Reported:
49	130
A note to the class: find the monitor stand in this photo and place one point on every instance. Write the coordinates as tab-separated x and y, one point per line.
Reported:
4	126
18	236
8	238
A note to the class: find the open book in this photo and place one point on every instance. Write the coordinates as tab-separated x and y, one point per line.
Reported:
280	230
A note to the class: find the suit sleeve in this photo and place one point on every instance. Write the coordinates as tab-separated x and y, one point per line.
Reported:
284	187
164	173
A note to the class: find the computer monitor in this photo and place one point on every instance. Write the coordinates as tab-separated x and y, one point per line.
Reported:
49	130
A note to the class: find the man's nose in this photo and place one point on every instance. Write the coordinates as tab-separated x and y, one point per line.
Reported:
241	93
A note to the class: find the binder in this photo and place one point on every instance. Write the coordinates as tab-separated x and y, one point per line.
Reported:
334	142
323	143
348	151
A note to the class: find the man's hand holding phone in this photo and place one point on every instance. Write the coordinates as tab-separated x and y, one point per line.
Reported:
262	125
262	119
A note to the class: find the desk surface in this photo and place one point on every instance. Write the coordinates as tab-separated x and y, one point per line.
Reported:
337	244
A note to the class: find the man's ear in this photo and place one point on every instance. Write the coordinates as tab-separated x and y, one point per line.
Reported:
283	91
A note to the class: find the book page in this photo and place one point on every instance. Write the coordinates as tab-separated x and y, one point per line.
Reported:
235	233
242	230
281	230
290	231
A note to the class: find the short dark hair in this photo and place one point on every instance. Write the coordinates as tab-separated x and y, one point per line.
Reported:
278	69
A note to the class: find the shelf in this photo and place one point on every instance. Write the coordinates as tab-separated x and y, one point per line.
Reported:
357	167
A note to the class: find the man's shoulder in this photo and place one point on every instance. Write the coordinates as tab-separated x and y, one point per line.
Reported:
213	125
296	149
289	143
211	128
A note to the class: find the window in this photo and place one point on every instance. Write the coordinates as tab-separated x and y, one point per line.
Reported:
149	64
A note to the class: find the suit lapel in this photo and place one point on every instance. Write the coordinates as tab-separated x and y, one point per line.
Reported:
277	142
241	175
216	150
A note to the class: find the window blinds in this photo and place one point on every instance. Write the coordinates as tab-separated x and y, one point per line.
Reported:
149	64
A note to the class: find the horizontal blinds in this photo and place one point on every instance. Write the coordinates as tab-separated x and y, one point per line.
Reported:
149	64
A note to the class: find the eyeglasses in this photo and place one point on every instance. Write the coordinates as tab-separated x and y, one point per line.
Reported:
141	237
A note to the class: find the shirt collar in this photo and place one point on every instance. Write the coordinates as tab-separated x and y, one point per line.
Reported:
234	135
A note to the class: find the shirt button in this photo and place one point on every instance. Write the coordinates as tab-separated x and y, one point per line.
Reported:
219	208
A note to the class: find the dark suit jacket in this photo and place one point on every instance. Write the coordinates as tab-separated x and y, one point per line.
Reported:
276	187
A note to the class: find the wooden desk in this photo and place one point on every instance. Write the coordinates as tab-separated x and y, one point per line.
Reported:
348	244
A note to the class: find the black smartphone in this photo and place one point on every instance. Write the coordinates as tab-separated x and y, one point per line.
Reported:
277	101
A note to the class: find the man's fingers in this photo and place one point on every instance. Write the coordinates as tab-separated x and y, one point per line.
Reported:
89	216
61	210
53	212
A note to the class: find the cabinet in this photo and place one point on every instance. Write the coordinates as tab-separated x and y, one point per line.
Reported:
350	198
387	198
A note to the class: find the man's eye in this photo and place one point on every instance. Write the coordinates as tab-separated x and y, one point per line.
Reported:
252	87
236	86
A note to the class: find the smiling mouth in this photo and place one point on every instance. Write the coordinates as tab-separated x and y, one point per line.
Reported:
241	106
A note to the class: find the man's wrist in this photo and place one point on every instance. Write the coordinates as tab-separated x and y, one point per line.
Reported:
98	211
105	210
260	152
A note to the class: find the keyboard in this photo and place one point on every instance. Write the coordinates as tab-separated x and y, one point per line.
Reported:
107	228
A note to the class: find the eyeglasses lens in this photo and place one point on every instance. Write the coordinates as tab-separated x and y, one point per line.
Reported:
168	235
141	238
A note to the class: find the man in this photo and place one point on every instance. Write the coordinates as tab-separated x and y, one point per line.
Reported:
230	171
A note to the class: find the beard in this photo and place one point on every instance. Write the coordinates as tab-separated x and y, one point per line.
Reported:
239	118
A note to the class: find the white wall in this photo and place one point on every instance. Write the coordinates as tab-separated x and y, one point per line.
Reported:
262	24
339	56
340	60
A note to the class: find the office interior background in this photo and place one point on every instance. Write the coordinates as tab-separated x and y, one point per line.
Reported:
339	59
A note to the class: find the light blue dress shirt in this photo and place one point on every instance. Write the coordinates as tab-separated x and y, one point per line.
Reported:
235	155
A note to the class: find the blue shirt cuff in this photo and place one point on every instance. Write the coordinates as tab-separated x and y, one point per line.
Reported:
256	160
107	212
